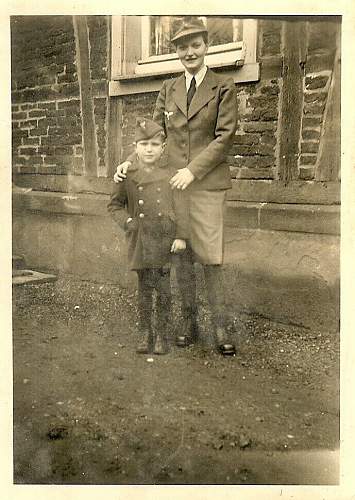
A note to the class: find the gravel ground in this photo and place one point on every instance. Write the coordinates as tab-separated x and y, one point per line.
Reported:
89	410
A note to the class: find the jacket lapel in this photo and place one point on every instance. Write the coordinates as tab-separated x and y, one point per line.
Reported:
204	93
180	94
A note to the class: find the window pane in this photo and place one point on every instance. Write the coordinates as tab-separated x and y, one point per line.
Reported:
160	34
220	30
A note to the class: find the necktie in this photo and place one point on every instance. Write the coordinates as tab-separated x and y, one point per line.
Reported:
191	91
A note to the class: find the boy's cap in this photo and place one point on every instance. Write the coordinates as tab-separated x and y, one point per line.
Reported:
188	25
146	129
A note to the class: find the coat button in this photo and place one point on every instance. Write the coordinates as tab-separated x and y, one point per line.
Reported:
141	216
158	189
158	201
140	202
140	188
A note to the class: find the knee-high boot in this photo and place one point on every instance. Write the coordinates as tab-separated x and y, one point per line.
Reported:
145	300
216	297
163	311
186	279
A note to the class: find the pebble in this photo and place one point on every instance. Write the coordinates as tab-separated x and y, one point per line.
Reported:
244	441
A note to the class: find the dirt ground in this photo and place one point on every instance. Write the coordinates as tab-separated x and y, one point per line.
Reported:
89	410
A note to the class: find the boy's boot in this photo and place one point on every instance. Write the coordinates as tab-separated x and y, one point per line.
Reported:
185	274
163	311
216	298
145	299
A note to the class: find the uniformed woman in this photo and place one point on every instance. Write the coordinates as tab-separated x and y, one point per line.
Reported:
198	111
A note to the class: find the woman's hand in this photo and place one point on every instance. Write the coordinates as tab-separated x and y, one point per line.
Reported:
178	246
121	171
182	179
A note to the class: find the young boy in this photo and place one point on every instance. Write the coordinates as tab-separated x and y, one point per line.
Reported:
156	228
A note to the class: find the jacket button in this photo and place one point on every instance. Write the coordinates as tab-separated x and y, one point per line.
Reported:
140	188
141	216
140	202
158	201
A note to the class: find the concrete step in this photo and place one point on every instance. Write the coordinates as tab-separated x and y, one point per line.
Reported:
27	276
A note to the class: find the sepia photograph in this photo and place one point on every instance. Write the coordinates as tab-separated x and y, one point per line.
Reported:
176	202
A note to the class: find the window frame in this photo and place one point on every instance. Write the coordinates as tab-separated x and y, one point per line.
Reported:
131	64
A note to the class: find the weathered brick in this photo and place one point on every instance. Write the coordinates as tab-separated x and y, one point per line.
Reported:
309	121
251	173
27	106
259	126
310	134
316	97
316	82
27	169
19	133
246	139
313	109
308	159
30	141
61	140
254	161
38	131
28	124
306	173
309	147
268	114
36	113
70	104
35	160
19	115
270	90
63	150
27	151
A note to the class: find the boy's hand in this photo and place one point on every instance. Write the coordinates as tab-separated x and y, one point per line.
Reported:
178	246
121	171
182	179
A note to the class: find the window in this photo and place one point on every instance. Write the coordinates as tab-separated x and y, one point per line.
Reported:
141	48
159	30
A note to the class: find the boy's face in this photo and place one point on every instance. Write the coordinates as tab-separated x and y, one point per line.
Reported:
191	51
150	150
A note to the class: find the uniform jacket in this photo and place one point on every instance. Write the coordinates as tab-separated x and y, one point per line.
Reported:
201	137
159	215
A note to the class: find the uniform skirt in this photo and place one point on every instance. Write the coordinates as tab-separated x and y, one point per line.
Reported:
206	215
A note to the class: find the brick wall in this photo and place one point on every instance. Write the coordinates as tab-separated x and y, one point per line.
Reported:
47	121
47	114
